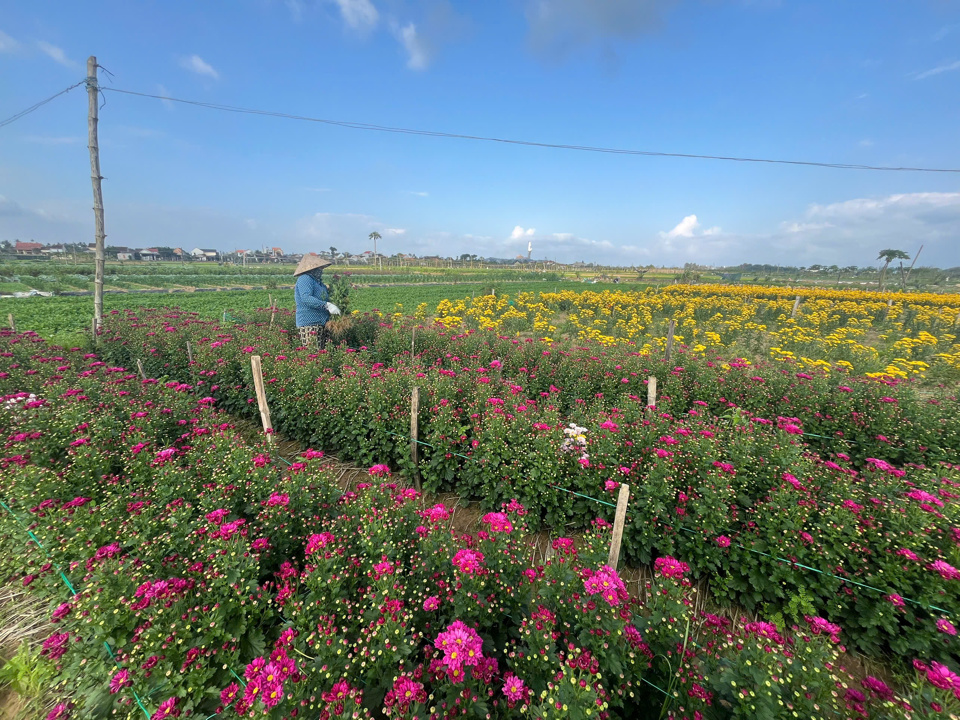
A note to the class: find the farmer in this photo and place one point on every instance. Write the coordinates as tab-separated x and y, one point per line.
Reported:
313	301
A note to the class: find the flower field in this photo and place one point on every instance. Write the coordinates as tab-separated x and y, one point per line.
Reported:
882	334
193	573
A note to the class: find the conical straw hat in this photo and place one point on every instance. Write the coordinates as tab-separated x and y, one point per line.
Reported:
311	261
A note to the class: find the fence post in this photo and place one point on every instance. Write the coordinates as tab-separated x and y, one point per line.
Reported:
13	324
796	305
143	374
261	397
414	431
670	329
651	393
618	521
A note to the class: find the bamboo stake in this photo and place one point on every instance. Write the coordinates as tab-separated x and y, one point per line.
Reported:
414	431
143	374
261	397
670	329
413	341
189	353
796	305
651	393
13	324
618	521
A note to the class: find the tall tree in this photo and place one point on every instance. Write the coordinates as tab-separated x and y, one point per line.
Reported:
333	253
889	256
375	236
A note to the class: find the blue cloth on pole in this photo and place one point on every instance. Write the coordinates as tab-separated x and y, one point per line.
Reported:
311	297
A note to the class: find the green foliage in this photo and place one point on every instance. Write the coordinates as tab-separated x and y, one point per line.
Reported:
26	673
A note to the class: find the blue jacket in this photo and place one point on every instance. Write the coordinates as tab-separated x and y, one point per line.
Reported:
311	297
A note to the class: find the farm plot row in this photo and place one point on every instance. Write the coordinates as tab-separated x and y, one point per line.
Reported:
886	334
191	574
783	488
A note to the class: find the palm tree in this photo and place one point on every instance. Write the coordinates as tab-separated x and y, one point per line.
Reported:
375	236
333	253
889	256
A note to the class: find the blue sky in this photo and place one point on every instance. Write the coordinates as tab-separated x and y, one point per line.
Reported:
835	81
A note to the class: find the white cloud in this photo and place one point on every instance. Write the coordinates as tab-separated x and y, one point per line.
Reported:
56	54
418	53
7	43
198	65
946	67
685	228
519	232
866	142
420	194
395	231
800	227
358	14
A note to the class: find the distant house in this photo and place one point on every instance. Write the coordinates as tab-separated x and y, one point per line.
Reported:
204	254
149	254
28	248
53	250
125	256
276	252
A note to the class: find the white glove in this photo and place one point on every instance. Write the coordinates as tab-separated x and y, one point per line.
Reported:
333	309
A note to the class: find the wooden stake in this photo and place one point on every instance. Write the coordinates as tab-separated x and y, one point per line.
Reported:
414	431
261	397
93	117
413	342
670	329
618	521
189	353
13	324
651	392
796	305
143	374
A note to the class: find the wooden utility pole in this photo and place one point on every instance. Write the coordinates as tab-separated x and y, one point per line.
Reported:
93	113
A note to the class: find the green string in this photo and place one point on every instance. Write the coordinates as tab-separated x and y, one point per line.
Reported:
602	502
236	676
72	590
420	442
657	687
831	575
825	437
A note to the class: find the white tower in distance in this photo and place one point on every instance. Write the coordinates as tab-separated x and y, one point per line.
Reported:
529	249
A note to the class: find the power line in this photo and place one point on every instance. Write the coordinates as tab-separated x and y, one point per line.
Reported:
529	143
22	113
